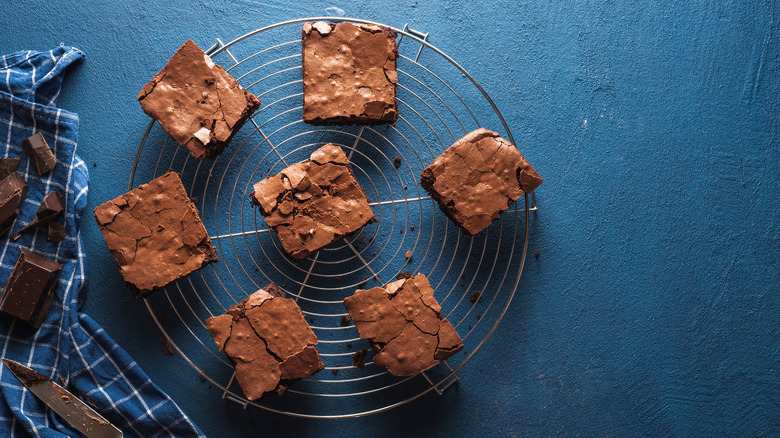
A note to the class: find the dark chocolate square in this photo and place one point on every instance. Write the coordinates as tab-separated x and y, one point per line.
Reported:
477	178
30	288
13	190
313	203
198	103
349	74
155	234
39	152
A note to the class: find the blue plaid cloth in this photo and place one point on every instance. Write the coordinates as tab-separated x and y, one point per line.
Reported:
69	347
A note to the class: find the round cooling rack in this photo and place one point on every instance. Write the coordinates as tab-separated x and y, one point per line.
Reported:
438	103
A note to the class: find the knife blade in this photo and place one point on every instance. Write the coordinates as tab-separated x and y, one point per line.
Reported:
65	404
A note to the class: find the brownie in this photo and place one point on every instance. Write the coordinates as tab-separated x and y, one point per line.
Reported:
155	234
477	178
404	325
269	342
313	203
349	74
197	102
30	288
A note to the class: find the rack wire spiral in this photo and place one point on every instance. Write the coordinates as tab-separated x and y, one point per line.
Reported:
433	113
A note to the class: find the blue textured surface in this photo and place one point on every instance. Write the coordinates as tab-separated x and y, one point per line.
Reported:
652	308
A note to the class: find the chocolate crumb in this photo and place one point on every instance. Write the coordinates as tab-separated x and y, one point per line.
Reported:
334	371
166	346
475	296
345	320
349	344
359	358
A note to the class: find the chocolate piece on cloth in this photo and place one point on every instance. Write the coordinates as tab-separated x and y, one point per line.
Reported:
197	102
313	203
40	153
8	166
56	232
404	325
155	234
477	178
29	291
13	190
268	340
349	74
51	208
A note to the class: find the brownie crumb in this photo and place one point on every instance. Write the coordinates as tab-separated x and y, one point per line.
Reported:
166	346
404	275
195	199
202	375
349	344
334	371
359	358
475	296
405	187
411	227
161	317
345	320
94	164
536	254
479	316
397	162
408	254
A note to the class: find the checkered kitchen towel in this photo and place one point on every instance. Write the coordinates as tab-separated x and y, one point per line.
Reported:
70	347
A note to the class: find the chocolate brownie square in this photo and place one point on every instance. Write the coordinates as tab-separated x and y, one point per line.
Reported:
404	325
155	234
268	340
313	203
349	74
477	178
197	102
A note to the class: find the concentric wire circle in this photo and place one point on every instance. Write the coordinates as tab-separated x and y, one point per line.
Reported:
412	234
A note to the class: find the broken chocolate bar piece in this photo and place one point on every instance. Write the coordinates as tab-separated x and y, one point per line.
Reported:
313	203
155	234
8	166
56	232
40	153
477	178
197	102
30	289
404	325
13	190
269	342
349	74
51	208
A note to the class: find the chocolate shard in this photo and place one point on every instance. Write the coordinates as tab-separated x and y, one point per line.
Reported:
40	153
13	190
349	74
155	234
8	166
477	178
51	208
56	232
30	289
313	203
404	325
268	340
198	103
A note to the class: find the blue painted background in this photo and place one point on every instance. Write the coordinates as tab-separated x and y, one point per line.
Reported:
653	308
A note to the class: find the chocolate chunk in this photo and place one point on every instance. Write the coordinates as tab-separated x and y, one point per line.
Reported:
197	102
404	325
150	257
349	74
51	208
477	178
268	340
56	232
8	166
313	203
30	288
359	358
475	296
40	153
13	190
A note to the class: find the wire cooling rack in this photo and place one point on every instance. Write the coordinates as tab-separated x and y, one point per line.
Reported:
438	103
